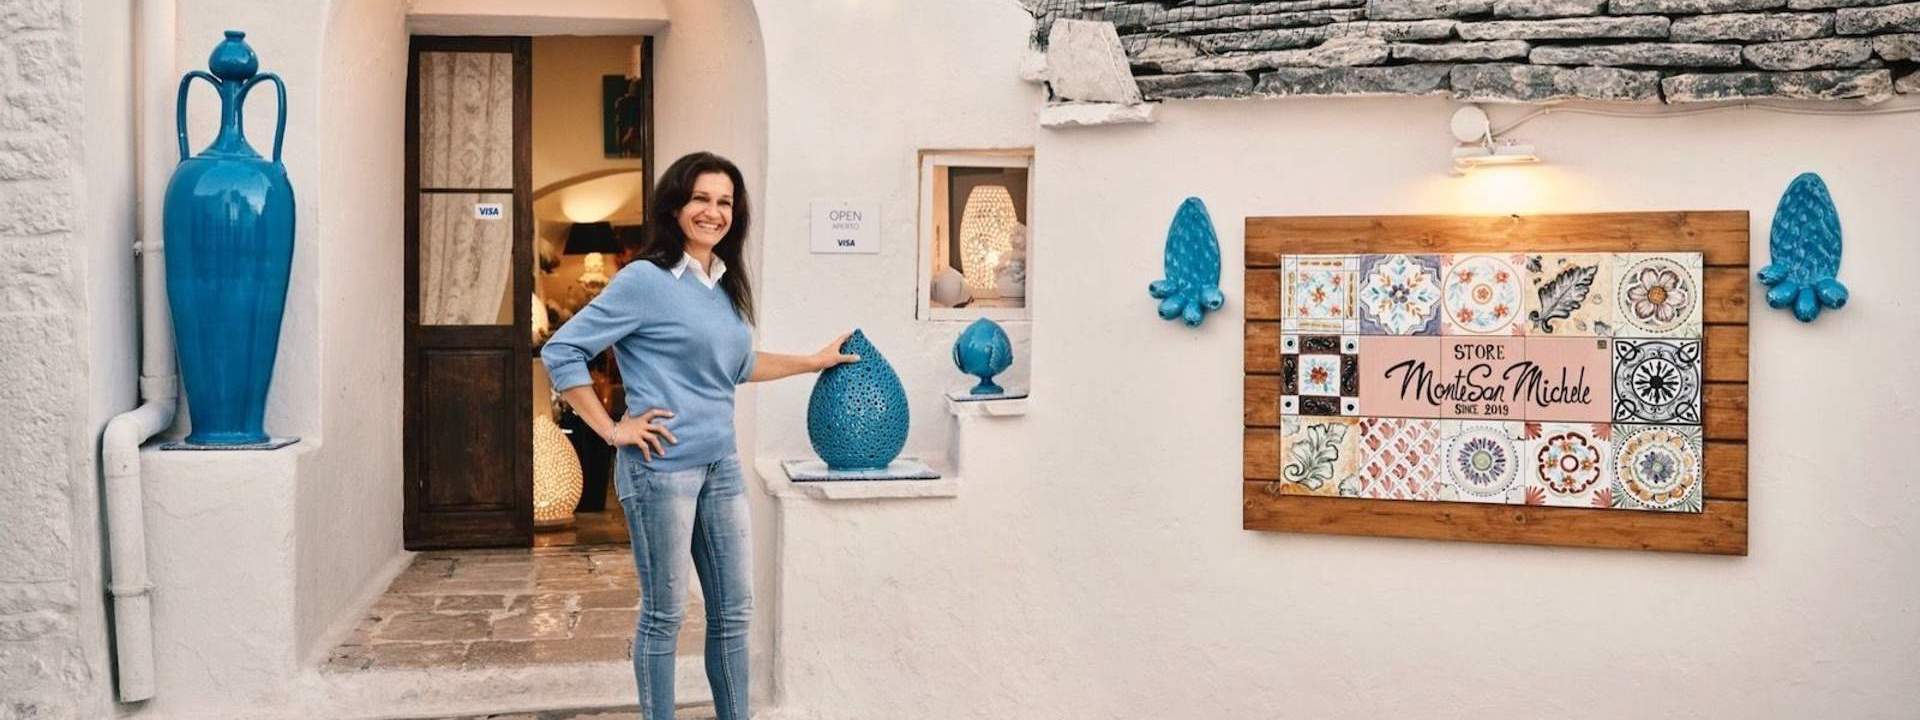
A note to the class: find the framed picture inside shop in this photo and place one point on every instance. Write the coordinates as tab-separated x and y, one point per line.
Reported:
1574	380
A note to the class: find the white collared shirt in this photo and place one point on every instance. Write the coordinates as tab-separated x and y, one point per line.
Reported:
709	277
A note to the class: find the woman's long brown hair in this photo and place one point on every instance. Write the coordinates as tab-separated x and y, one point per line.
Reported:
665	243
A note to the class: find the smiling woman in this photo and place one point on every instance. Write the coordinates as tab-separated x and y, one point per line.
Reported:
678	323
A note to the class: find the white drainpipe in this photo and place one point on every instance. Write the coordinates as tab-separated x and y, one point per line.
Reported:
159	383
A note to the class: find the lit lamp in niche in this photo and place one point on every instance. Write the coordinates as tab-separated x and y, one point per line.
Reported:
592	239
985	226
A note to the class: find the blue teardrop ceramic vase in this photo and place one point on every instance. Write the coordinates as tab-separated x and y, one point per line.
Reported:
983	351
857	416
229	251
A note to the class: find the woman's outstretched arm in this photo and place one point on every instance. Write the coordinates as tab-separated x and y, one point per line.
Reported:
773	366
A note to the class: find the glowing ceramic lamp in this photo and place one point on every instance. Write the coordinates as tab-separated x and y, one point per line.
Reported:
557	478
984	226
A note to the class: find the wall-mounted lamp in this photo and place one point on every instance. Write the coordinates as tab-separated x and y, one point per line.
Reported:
1477	146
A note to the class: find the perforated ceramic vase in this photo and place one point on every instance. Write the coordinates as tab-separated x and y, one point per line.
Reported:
857	416
983	351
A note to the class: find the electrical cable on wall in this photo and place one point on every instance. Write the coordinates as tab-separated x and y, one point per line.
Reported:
1767	107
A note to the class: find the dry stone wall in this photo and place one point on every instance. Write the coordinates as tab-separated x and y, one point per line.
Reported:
44	673
1525	51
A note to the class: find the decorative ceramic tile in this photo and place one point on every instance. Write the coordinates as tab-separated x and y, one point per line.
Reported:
1658	467
1566	379
1657	294
1481	462
1477	378
1484	295
1317	293
1318	455
1401	460
1570	295
1399	294
1568	464
1656	381
1494	378
1400	370
1320	375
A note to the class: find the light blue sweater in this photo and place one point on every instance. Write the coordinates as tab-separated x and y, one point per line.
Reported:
680	347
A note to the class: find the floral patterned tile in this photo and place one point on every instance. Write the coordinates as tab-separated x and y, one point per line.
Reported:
1319	375
1658	467
1568	464
1656	381
1481	462
1657	294
1570	295
1401	460
1484	295
1399	294
1318	455
1317	293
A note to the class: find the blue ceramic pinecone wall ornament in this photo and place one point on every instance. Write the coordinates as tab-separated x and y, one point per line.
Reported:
983	350
1806	251
1191	288
229	245
857	416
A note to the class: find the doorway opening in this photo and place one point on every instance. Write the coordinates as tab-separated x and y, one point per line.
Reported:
529	164
592	130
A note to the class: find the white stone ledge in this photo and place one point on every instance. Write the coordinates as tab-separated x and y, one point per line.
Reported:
1010	407
1085	114
774	478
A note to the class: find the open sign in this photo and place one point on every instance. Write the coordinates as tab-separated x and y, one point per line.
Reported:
841	226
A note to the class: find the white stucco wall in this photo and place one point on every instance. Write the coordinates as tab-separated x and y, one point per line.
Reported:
349	521
854	91
1094	564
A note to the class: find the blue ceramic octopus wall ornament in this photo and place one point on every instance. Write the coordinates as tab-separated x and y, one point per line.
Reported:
1806	251
1191	288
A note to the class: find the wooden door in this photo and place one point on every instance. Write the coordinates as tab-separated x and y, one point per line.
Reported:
469	432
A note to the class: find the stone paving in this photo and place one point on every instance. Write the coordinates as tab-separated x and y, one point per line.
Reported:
505	608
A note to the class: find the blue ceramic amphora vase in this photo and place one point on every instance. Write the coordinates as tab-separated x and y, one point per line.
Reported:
229	250
857	416
983	351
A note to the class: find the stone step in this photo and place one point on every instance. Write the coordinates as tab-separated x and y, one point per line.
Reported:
692	712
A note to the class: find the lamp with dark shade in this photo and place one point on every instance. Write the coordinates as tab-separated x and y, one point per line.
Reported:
591	237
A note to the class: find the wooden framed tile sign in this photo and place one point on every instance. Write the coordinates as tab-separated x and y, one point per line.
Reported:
1574	380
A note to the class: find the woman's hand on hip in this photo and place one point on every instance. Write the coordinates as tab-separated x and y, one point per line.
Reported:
830	355
643	432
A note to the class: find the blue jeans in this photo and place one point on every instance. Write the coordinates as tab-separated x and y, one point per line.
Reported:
698	513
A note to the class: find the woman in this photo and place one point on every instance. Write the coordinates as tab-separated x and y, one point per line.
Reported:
677	320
